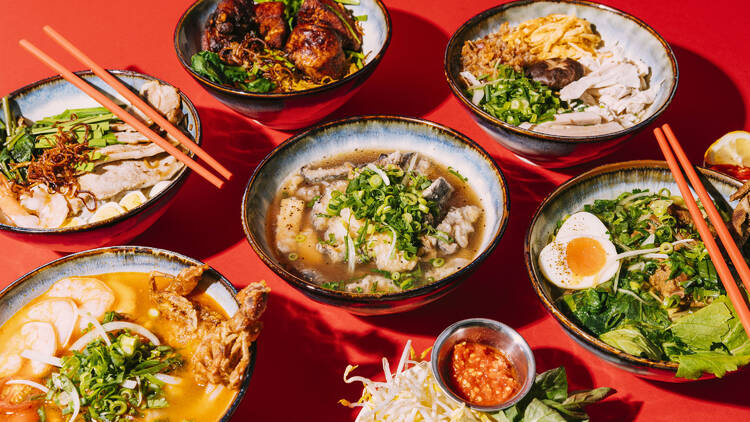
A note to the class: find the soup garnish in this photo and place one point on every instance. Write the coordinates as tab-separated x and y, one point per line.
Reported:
127	346
654	291
376	222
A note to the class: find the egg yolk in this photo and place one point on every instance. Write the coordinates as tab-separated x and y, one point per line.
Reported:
585	256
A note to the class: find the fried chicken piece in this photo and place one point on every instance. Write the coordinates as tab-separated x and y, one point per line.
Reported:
224	352
172	303
231	21
270	17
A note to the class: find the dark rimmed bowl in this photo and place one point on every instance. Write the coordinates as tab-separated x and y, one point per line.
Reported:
435	141
638	40
52	96
292	110
607	182
123	259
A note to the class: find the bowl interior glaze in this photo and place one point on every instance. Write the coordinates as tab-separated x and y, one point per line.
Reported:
606	182
382	133
190	27
54	95
637	40
121	259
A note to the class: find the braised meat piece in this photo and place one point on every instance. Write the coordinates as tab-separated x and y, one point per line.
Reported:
665	284
231	21
555	72
317	51
332	15
224	352
271	24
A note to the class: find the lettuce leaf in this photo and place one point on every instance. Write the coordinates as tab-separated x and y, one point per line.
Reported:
705	327
630	340
693	366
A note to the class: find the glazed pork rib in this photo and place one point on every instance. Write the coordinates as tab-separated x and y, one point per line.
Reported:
324	29
231	21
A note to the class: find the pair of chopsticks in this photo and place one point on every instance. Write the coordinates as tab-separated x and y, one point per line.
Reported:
734	293
136	101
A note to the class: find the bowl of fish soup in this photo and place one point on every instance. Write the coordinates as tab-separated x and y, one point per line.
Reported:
391	272
54	95
633	39
125	271
287	110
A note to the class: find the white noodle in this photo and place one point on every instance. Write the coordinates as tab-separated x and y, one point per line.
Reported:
29	383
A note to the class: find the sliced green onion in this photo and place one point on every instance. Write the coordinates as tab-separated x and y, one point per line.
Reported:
438	262
293	256
300	238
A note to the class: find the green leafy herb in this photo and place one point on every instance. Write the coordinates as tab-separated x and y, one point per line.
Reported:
705	327
549	401
514	98
209	65
455	172
116	382
630	340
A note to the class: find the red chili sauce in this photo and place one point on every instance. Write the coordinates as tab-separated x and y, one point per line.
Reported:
481	374
738	172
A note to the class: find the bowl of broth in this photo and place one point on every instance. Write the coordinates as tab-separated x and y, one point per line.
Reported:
375	214
126	333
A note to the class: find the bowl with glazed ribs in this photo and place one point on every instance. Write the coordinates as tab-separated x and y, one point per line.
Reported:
284	64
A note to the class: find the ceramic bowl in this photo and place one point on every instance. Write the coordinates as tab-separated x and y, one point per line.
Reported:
638	41
607	182
379	133
123	259
490	333
292	110
52	96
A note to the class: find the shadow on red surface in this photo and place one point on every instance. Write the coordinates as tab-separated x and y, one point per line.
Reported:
208	219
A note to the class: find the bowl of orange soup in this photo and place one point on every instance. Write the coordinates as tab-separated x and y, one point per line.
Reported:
126	334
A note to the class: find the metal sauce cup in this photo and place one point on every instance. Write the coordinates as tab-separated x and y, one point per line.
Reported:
490	333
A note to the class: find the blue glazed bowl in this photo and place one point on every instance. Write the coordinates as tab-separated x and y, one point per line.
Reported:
607	182
123	259
637	39
52	96
376	133
291	110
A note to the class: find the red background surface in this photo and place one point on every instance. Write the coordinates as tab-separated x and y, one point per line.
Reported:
305	347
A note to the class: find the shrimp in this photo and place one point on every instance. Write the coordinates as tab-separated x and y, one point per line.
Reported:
11	212
61	313
93	297
36	336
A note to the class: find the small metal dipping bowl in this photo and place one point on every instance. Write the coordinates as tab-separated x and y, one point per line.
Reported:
490	333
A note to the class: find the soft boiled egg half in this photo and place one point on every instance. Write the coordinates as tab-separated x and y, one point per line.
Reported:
581	256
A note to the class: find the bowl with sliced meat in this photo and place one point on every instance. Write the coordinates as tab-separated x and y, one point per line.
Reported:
73	176
560	82
285	64
127	333
614	256
376	214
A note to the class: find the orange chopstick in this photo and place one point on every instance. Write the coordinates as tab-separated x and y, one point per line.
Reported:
137	101
713	214
121	113
722	269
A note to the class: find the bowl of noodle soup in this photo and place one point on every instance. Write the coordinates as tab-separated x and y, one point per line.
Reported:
302	103
562	117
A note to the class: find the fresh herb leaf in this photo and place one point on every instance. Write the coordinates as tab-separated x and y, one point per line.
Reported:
630	340
209	65
694	365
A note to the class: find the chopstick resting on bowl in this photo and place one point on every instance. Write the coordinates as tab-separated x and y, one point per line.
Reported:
722	269
137	101
121	113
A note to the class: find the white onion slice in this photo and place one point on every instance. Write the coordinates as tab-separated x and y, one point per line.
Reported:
168	379
129	384
351	253
76	405
392	248
215	393
41	357
412	162
115	326
97	327
29	383
380	173
656	256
